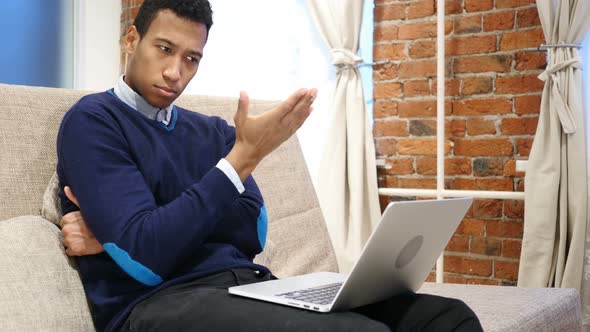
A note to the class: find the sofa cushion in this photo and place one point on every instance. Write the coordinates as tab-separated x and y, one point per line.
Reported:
41	289
50	205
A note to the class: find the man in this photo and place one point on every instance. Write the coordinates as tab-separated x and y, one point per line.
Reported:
171	215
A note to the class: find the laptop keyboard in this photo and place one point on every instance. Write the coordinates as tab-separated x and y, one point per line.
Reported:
317	295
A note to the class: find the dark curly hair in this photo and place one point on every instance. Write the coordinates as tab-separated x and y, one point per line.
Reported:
194	10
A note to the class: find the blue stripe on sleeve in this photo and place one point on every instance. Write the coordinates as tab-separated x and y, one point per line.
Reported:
135	269
262	226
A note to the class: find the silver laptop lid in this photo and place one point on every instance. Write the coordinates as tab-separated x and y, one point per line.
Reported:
402	250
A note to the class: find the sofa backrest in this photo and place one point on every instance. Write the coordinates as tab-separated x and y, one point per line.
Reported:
297	242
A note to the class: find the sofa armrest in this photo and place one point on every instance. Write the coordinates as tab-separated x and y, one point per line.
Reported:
508	309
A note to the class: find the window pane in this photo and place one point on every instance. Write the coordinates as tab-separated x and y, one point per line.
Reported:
492	93
32	42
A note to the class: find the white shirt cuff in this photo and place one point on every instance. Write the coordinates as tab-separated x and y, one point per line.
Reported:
231	174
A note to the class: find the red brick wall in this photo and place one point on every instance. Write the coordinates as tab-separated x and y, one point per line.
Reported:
492	106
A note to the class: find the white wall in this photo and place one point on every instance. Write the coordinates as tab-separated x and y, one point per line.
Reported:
96	29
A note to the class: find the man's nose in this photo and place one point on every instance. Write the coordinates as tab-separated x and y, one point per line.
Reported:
172	70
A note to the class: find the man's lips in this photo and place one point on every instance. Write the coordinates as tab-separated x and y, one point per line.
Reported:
167	91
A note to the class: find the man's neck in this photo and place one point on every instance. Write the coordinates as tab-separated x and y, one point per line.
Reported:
134	100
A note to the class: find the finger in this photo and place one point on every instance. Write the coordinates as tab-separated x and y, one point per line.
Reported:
70	196
294	119
243	106
67	244
68	224
298	122
314	94
71	231
305	102
70	252
307	108
291	102
70	218
293	123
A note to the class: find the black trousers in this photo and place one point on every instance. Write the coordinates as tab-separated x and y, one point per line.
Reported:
205	305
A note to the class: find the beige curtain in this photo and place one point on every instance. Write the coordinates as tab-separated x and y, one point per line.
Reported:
347	180
556	188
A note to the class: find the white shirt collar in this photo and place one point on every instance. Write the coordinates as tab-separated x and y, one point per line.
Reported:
138	103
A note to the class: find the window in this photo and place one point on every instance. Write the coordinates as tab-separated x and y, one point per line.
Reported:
491	91
269	49
34	39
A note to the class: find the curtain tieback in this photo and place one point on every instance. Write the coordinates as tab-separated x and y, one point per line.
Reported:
345	59
557	97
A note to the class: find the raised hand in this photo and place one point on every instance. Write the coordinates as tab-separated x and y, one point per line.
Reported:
259	135
78	239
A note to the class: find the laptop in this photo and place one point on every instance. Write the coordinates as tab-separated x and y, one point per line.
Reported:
398	257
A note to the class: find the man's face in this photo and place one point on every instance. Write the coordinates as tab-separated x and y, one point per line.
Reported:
162	63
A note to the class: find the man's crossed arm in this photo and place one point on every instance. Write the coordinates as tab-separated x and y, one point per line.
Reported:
256	137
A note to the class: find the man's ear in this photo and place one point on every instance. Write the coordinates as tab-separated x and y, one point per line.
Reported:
131	40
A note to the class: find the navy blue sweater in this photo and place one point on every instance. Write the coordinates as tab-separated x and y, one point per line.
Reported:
155	200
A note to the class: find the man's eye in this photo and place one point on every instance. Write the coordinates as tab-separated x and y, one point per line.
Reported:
164	49
193	60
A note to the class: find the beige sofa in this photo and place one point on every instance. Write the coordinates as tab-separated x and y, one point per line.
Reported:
40	289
